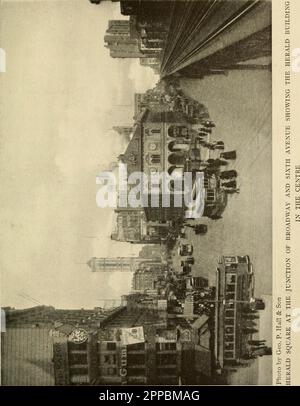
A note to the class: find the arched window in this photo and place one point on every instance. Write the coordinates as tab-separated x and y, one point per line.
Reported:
176	159
171	169
178	146
175	131
176	172
3	322
2	61
155	159
176	186
155	131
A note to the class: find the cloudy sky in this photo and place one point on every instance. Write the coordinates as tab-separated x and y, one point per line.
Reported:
60	96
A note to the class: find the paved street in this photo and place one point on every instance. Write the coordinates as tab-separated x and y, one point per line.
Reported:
240	105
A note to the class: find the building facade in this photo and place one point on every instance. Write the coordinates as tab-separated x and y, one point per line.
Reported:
121	40
27	350
132	226
235	308
146	278
163	353
162	142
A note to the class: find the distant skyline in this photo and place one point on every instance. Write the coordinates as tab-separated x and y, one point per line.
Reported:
60	97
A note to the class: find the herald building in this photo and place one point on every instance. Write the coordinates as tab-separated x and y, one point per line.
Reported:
160	143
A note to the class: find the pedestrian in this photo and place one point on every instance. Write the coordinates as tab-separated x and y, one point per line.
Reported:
219	145
200	229
214	165
209	145
232	184
232	191
202	131
208	123
200	138
220	162
206	130
228	155
215	217
228	174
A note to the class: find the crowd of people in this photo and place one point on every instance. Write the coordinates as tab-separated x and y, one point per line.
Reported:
228	178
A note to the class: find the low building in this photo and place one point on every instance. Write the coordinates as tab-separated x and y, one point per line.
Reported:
234	300
133	347
132	226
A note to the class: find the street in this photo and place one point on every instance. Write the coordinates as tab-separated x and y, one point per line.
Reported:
240	105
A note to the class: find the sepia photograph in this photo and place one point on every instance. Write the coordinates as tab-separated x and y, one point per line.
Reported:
136	169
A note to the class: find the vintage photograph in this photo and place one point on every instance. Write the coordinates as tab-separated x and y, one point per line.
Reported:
136	165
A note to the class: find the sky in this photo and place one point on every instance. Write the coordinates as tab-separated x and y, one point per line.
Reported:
59	98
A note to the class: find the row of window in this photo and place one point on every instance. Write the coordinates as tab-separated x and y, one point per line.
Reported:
130	371
173	146
148	131
166	346
169	346
80	369
229	355
174	131
230	278
166	359
112	346
176	159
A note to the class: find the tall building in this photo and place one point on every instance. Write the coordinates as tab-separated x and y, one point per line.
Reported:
126	39
121	40
140	103
153	63
119	264
129	225
145	279
153	8
118	27
122	46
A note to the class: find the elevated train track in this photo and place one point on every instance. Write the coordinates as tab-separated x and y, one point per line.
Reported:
210	35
